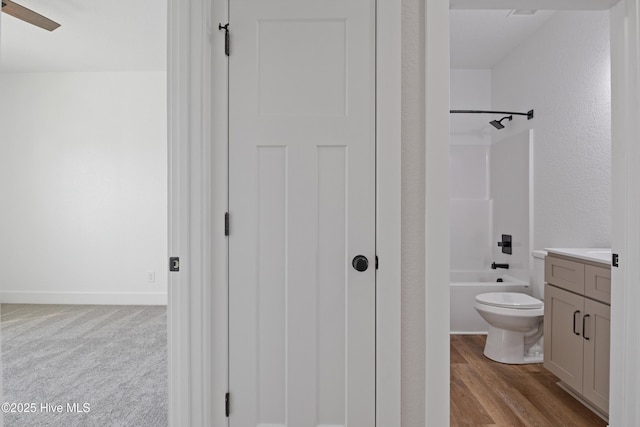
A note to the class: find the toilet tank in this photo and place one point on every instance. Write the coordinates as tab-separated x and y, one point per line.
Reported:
537	273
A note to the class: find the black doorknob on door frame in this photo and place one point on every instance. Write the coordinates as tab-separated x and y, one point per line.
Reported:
360	263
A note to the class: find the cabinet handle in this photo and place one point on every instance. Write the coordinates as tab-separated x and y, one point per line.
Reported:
574	322
584	319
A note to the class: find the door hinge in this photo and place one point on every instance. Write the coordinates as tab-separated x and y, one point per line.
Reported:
614	260
227	405
226	37
226	223
174	263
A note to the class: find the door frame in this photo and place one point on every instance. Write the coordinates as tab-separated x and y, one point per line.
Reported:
624	385
198	134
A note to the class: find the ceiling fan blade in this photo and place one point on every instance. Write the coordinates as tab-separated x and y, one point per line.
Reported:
28	15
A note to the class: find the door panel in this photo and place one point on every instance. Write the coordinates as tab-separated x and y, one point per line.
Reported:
563	312
290	84
596	354
302	205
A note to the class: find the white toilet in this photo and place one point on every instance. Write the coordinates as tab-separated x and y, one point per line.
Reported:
515	326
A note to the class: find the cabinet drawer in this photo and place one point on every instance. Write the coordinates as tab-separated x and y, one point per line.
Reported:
597	283
565	274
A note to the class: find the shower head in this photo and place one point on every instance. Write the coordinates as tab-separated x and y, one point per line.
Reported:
498	123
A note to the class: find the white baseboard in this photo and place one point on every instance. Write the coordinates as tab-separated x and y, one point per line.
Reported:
89	298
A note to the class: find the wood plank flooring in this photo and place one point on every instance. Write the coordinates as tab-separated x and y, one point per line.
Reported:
487	393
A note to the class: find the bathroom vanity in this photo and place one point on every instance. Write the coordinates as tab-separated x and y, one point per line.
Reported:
577	300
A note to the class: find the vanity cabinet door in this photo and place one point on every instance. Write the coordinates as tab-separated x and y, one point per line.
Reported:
596	354
563	343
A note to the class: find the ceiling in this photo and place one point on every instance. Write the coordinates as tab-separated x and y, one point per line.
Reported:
95	35
481	38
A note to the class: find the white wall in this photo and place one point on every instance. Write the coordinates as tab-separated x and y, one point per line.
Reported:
84	194
470	90
563	72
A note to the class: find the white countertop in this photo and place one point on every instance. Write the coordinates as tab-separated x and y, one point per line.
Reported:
602	255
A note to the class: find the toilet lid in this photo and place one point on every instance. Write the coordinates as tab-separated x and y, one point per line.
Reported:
509	300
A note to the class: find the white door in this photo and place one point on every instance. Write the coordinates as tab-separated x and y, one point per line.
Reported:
302	206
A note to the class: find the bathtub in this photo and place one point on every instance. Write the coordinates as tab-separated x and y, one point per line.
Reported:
464	287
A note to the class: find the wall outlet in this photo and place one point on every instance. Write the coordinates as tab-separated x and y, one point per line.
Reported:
151	276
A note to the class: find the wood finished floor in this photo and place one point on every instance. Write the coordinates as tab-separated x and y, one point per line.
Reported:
487	393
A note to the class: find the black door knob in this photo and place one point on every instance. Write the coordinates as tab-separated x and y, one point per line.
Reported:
360	263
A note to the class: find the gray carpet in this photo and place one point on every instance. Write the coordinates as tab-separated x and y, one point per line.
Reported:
113	358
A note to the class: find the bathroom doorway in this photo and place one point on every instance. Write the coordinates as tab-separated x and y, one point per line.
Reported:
517	60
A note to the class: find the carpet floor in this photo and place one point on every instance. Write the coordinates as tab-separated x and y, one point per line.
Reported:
76	365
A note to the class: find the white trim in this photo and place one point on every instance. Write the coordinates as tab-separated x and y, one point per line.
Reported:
618	196
625	294
191	218
92	298
388	215
437	263
218	342
178	124
198	199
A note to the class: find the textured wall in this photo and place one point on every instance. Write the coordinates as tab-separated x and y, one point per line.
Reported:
563	72
413	218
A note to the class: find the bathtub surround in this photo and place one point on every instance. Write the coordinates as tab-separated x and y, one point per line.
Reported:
470	137
490	186
509	185
470	235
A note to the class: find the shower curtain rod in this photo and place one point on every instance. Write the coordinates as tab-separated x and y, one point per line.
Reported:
529	113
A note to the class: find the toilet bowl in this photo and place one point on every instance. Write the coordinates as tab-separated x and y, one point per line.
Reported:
515	326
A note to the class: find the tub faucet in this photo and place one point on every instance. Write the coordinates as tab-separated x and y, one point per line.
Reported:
494	266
